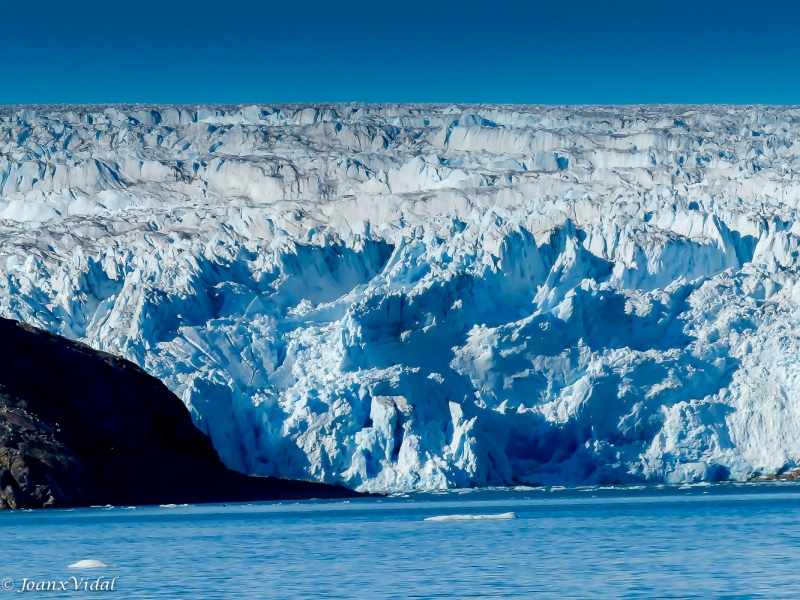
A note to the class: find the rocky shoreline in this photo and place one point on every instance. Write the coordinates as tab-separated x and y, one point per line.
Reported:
80	427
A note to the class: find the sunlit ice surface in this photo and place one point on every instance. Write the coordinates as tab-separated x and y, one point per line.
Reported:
429	296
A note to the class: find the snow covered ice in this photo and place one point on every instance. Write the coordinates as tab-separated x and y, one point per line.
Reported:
418	296
501	516
88	563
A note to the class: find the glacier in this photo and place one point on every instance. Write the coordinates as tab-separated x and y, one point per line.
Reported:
429	296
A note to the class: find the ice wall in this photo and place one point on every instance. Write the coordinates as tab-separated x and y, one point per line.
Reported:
427	296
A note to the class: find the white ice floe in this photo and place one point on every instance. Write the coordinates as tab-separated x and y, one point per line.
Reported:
507	515
88	563
407	297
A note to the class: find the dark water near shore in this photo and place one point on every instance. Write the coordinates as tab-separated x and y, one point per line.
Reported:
726	540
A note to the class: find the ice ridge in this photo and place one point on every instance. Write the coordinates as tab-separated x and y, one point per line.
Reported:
429	296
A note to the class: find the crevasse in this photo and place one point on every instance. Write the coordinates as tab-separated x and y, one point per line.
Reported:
429	296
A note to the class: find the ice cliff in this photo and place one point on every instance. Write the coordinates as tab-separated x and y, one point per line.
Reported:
396	297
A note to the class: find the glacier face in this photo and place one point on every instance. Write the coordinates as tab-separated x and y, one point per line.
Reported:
429	296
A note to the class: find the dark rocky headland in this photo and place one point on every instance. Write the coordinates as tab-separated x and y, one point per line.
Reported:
80	427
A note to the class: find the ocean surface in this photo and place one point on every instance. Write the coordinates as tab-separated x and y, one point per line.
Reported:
719	541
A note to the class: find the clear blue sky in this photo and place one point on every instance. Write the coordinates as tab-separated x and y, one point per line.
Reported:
231	51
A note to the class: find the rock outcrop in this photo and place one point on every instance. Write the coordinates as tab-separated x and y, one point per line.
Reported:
80	427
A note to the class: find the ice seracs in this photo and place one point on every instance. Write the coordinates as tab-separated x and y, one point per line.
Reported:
422	296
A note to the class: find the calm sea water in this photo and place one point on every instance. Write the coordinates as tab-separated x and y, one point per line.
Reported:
727	541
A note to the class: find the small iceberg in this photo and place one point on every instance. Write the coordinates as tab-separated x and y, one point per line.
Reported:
507	515
89	563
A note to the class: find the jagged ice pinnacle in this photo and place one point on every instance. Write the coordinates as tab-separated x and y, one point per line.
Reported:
429	296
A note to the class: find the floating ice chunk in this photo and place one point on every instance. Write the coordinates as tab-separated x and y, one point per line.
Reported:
687	486
507	515
88	563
